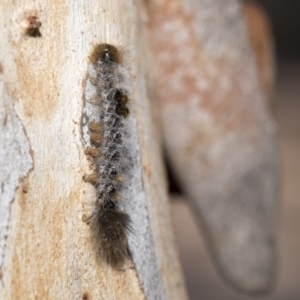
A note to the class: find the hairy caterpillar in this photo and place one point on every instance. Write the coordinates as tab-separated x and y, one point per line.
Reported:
109	152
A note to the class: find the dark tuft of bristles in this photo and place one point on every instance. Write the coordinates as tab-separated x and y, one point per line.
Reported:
106	53
109	233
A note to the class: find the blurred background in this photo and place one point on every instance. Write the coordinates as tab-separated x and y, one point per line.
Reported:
201	277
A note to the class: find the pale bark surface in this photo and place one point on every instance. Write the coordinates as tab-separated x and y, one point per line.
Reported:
46	251
219	133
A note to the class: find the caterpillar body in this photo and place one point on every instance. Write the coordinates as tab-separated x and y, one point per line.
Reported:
110	154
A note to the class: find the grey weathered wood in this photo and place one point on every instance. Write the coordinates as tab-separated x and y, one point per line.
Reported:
45	246
219	133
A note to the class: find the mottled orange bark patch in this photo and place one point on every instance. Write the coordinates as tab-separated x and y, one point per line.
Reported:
184	72
261	41
39	80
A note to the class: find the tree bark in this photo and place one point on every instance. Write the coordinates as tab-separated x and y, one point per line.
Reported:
213	84
45	250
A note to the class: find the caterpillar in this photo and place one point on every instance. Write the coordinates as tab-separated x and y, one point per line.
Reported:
109	153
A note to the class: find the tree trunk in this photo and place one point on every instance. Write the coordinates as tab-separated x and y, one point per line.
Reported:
213	85
45	250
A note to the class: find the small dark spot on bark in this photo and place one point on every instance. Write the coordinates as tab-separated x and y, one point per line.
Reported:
34	25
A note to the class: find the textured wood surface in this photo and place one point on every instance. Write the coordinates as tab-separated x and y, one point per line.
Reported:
219	134
45	246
